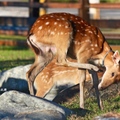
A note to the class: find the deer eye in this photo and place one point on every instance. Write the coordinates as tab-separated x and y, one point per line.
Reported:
113	74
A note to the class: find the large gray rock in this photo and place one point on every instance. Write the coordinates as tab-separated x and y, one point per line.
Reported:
14	104
14	79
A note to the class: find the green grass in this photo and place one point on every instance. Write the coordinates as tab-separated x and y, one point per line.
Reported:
110	105
11	57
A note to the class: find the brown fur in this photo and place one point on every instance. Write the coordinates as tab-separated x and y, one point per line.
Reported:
66	34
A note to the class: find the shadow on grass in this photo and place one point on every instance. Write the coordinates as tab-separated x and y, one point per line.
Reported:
81	112
67	94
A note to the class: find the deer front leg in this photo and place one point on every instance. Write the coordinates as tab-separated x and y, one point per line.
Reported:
95	84
82	75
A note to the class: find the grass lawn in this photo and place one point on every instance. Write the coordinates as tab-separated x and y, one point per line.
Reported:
111	104
12	56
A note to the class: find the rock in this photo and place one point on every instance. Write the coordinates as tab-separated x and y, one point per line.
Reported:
14	104
14	79
108	116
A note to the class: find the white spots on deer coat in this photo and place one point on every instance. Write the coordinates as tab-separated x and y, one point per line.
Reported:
38	32
58	19
60	73
98	36
66	33
47	23
49	30
61	33
82	21
96	52
55	23
96	45
52	33
60	25
92	48
76	18
38	21
40	28
77	43
88	41
91	45
90	32
42	18
66	26
62	18
46	18
51	16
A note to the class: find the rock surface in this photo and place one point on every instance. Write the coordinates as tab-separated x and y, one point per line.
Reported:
14	79
14	104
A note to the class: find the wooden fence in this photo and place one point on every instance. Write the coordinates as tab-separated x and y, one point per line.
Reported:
21	25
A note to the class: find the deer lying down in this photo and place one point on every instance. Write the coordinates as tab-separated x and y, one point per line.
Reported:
64	34
57	75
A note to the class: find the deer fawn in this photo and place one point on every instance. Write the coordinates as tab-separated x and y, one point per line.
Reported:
58	76
64	34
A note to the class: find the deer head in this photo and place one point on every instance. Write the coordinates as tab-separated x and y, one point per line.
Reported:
112	73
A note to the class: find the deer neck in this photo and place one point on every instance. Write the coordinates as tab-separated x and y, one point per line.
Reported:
107	55
104	58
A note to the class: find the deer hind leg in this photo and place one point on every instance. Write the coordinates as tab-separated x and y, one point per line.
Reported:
41	60
82	57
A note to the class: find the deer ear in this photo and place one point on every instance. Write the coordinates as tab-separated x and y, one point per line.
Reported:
116	57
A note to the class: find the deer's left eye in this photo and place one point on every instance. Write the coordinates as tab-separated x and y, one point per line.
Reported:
113	74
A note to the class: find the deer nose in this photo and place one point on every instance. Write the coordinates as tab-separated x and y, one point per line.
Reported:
100	87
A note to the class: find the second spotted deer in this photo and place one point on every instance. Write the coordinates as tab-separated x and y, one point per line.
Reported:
64	34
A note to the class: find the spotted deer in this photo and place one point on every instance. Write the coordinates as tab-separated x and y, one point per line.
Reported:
64	34
57	76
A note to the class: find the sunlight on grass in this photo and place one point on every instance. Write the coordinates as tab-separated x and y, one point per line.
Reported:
15	54
13	58
110	104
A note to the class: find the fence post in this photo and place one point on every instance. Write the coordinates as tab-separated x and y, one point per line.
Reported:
84	11
33	12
